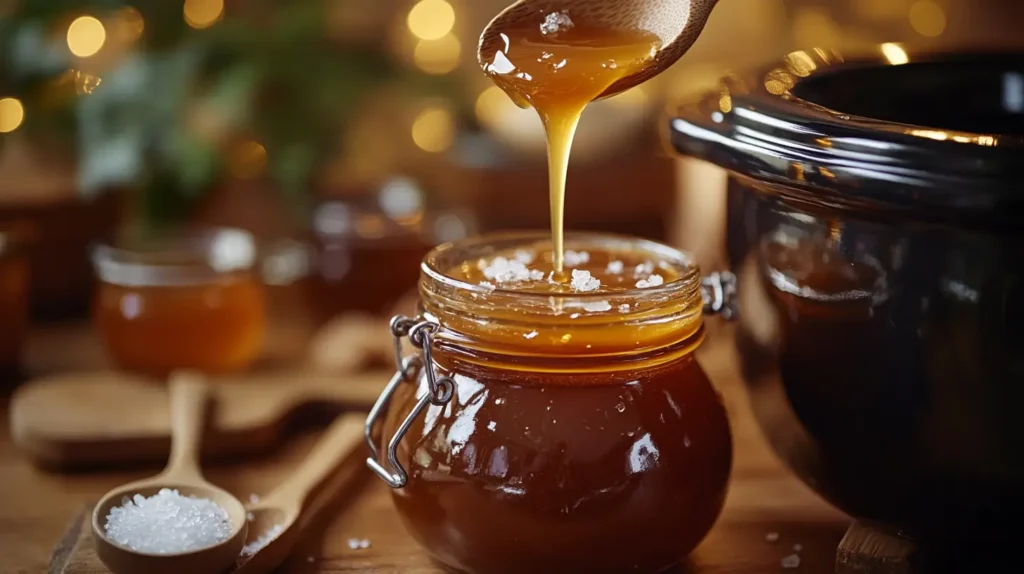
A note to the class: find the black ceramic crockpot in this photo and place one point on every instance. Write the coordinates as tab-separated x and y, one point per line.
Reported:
876	228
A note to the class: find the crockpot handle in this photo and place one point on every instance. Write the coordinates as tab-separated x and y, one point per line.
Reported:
719	293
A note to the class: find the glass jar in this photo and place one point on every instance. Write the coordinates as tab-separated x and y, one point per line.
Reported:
190	300
14	304
530	437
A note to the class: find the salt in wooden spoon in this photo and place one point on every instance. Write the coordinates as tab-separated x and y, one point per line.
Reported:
189	397
275	516
677	23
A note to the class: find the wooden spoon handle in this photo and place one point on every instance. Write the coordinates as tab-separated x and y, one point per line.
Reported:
189	394
337	445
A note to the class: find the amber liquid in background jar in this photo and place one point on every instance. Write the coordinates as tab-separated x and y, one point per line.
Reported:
190	302
582	436
14	305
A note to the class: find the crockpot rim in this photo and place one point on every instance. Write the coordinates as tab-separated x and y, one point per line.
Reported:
845	161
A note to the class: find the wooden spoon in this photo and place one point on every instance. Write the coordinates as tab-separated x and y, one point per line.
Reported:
676	22
189	396
280	510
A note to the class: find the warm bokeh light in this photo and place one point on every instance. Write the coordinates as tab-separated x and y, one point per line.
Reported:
927	18
128	24
438	56
247	160
491	104
814	26
12	113
86	36
431	19
433	130
895	54
203	13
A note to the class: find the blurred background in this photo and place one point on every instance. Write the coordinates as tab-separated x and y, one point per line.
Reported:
348	136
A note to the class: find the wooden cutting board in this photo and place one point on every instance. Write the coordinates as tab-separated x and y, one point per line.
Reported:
90	420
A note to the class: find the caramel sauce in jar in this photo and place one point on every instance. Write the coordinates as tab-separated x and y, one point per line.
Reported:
582	434
188	302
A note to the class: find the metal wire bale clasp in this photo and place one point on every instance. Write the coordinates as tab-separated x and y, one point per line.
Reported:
440	390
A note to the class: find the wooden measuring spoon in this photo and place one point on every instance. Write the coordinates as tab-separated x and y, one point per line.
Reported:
676	22
189	395
283	507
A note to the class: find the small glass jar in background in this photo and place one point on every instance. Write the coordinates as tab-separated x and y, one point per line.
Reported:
14	303
368	251
190	300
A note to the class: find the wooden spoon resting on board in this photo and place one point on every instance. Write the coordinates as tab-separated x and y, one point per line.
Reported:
677	23
276	516
96	419
189	397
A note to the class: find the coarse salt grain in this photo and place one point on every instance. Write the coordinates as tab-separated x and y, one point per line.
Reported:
614	267
597	306
791	561
492	425
576	258
261	542
574	316
583	281
624	308
556	22
652	281
645	268
167	523
358	543
530	335
523	256
772	537
487	285
503	270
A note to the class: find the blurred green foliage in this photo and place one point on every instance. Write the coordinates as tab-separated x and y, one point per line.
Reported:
159	117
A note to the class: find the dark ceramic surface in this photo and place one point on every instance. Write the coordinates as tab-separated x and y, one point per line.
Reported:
880	262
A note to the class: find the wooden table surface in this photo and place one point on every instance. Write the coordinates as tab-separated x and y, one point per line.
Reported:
36	507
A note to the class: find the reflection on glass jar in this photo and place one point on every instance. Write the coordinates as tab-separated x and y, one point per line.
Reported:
14	304
581	434
183	301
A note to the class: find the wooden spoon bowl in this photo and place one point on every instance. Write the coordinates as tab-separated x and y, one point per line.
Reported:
189	396
677	23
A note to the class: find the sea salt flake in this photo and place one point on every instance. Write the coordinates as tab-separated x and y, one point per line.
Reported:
645	268
574	316
614	267
536	275
530	335
556	22
249	517
523	256
504	270
576	258
597	306
791	561
167	523
487	284
492	425
624	308
582	281
652	281
772	537
261	542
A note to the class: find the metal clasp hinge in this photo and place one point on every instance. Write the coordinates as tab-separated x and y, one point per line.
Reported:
440	390
719	293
